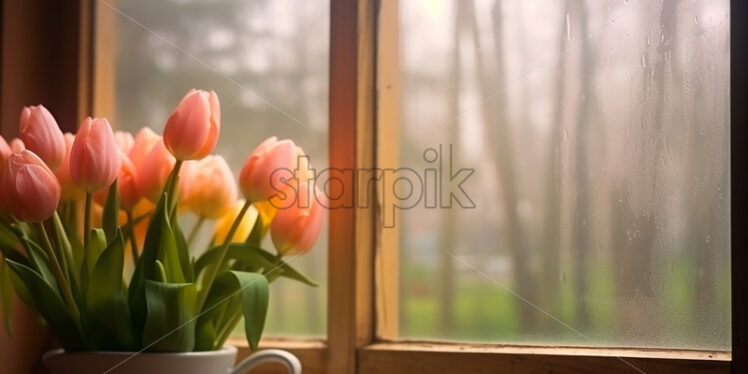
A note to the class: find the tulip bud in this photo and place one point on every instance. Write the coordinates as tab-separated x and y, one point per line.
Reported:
258	170
94	158
207	187
223	224
4	149
70	192
295	228
17	146
192	130
124	141
153	172
30	190
145	139
42	135
127	182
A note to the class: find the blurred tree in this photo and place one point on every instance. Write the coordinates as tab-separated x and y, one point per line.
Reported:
499	144
580	242
550	261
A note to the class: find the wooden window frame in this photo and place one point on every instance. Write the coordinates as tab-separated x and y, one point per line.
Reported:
362	264
362	337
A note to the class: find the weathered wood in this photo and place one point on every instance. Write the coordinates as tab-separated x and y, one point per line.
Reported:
351	238
412	358
387	264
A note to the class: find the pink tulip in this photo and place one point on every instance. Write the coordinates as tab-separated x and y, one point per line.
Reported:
145	139
124	141
127	182
271	155
4	153
30	190
153	172
4	149
42	135
17	146
192	130
94	158
207	187
70	192
295	229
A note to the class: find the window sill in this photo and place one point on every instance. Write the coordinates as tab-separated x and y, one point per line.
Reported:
410	357
426	357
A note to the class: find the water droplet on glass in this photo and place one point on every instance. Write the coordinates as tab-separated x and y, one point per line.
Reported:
568	27
644	61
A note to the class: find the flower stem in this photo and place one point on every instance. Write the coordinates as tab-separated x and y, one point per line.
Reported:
133	244
213	270
172	184
64	244
87	221
195	230
64	285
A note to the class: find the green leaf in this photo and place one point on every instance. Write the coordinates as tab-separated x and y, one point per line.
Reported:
40	262
110	217
12	253
161	272
146	266
183	251
72	229
63	243
6	296
106	303
96	245
170	321
7	237
50	306
205	335
169	254
254	292
284	268
241	252
66	248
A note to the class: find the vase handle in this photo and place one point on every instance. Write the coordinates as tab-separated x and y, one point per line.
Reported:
258	358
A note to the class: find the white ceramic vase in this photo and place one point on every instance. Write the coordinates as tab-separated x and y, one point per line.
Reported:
210	362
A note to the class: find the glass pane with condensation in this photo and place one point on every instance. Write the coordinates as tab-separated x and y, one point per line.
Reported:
597	133
267	60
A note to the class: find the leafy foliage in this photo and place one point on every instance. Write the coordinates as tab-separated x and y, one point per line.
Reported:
159	308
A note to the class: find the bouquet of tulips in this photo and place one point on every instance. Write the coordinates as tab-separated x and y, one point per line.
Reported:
129	192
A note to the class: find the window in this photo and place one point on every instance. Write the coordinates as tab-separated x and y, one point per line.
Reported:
598	137
598	132
267	60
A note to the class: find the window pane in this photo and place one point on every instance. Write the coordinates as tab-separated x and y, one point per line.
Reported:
267	60
598	132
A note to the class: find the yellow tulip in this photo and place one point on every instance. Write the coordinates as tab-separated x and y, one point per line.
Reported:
224	223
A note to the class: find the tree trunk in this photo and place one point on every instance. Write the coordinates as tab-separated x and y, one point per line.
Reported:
580	235
500	145
449	219
550	262
638	230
